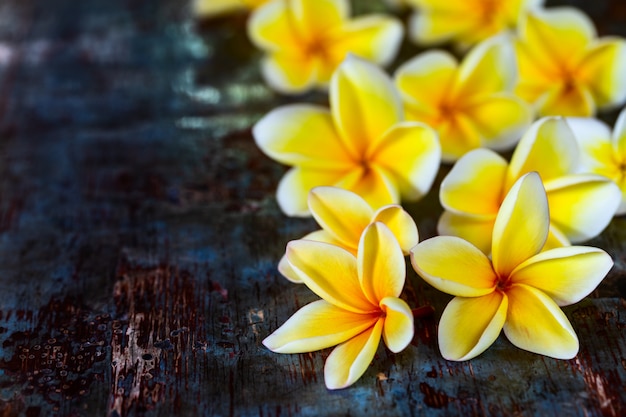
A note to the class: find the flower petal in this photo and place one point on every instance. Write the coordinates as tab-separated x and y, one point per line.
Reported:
398	330
316	326
425	82
341	213
475	185
289	74
603	69
619	134
477	231
522	224
208	8
567	100
430	27
566	275
376	38
294	187
488	68
330	272
581	206
454	266
401	225
468	326
311	19
381	266
548	147
501	119
270	27
458	135
535	323
558	36
594	139
349	361
319	236
364	104
409	151
373	183
302	135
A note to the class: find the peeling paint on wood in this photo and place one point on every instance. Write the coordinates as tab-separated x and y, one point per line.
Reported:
139	238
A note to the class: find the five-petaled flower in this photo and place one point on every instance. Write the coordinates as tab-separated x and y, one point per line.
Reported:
209	8
581	205
359	304
603	152
471	104
305	40
564	68
343	216
519	290
361	144
465	22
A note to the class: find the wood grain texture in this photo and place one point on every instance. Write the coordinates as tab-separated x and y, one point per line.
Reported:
139	237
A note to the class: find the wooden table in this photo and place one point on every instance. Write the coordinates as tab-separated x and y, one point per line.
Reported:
139	237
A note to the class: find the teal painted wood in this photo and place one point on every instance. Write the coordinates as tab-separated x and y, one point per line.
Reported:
139	237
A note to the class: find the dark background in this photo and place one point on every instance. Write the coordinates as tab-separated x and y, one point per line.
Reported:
139	237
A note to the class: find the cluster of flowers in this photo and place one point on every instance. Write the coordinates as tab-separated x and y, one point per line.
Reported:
505	246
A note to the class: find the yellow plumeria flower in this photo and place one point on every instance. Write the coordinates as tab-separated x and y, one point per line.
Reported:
581	205
464	22
361	144
519	290
564	68
470	104
359	304
603	152
207	8
305	41
343	216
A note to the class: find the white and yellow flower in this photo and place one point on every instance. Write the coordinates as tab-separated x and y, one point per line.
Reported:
471	104
359	304
519	290
306	40
581	205
362	144
343	216
565	69
465	22
603	152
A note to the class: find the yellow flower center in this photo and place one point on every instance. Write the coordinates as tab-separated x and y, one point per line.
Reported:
489	10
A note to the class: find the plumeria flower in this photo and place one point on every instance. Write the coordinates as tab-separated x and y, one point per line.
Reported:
581	205
564	68
603	152
464	22
359	304
305	41
343	216
208	8
470	104
520	289
362	144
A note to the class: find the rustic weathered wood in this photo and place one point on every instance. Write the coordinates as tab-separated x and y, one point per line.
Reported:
139	238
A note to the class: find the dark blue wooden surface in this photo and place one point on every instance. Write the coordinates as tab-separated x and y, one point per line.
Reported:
139	238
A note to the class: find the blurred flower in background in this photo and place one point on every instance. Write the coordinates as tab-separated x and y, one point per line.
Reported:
306	40
464	22
209	8
471	104
564	68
